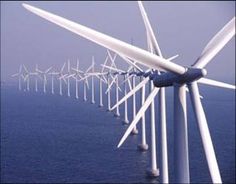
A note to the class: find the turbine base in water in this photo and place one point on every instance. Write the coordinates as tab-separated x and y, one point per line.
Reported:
125	122
143	147
134	132
153	173
117	115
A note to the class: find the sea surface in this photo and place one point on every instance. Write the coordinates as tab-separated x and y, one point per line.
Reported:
49	138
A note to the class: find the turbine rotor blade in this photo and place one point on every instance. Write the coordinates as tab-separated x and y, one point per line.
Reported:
215	83
111	68
48	69
16	74
62	68
173	57
25	69
130	93
105	62
132	52
149	30
130	62
216	44
139	115
204	132
110	85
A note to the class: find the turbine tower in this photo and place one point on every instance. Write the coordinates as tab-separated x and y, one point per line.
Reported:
20	76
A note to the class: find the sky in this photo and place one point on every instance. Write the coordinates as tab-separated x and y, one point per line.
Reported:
182	28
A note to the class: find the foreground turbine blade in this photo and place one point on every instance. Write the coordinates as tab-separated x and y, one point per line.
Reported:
216	44
205	134
149	30
139	115
131	63
132	52
110	85
131	92
111	68
215	83
173	57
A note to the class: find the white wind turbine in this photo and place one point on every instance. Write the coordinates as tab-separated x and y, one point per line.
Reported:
174	75
36	73
27	77
109	75
77	76
44	74
126	79
85	81
92	82
20	76
68	77
61	77
100	76
100	83
53	73
115	80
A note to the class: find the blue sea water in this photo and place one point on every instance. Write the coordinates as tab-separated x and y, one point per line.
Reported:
49	138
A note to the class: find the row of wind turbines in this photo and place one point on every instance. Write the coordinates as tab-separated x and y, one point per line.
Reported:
161	73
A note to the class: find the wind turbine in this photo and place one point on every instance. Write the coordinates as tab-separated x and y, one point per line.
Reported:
44	73
19	75
85	81
109	75
115	80
68	77
27	77
77	74
100	84
92	82
173	75
53	73
36	73
61	77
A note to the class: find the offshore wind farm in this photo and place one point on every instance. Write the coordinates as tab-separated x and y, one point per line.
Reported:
157	103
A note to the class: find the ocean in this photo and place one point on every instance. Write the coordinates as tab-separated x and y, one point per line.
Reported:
49	138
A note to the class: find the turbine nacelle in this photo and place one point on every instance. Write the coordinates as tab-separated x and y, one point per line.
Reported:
169	79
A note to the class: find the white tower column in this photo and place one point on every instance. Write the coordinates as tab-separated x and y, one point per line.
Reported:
135	130
36	84
68	79
108	95
162	141
126	120
19	83
44	84
100	93
60	86
52	84
181	158
28	82
117	114
154	171
143	146
85	92
68	86
92	86
76	89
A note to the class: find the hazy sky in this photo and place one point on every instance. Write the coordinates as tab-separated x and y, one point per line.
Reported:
182	28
